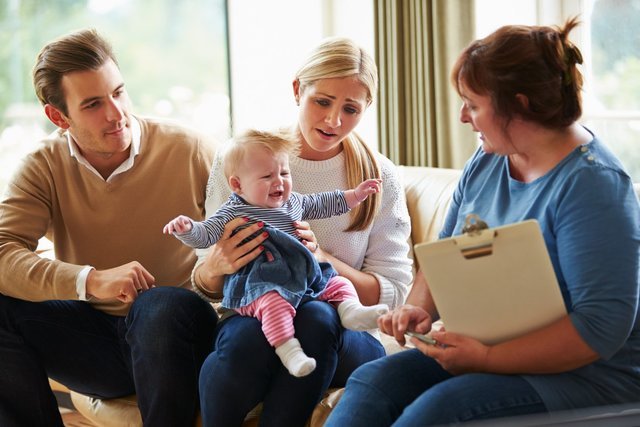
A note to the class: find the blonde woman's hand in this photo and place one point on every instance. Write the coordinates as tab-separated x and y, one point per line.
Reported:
308	238
229	254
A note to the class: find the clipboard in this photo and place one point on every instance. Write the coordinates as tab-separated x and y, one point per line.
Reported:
492	284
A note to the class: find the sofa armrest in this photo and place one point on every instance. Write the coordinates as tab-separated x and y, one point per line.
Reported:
428	192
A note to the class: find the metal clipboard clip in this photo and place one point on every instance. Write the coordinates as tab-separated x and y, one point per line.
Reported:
476	239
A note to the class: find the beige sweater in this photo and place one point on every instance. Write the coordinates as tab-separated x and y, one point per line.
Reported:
92	222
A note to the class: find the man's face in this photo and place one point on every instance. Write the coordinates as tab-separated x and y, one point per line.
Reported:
99	112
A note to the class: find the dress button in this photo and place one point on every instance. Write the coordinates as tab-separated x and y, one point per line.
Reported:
591	158
584	149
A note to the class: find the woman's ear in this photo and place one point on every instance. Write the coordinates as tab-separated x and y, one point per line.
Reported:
296	91
234	183
56	116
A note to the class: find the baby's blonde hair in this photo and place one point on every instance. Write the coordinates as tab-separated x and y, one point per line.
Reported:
242	144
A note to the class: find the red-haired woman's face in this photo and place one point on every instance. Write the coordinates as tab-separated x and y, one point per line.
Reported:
478	111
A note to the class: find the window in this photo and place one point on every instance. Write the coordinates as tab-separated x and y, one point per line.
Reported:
173	56
610	44
270	39
612	101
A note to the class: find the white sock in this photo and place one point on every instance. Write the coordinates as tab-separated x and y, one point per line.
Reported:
358	317
293	358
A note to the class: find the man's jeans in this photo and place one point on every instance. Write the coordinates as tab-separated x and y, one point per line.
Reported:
155	352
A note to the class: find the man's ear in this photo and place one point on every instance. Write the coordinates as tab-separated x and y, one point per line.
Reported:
234	183
56	116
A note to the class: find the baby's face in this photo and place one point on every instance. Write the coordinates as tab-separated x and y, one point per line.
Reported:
265	178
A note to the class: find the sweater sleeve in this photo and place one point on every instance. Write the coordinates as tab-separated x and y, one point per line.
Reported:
387	255
25	215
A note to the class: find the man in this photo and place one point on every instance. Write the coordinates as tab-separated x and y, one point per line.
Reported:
112	315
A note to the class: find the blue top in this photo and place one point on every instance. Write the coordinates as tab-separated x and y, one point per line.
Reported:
590	219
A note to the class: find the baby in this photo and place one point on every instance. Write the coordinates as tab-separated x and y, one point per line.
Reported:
256	166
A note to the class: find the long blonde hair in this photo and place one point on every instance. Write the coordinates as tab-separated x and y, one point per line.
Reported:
338	57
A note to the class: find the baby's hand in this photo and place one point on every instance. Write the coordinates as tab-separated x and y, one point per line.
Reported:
366	188
178	225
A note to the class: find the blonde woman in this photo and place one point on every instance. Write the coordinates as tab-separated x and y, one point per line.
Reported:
333	89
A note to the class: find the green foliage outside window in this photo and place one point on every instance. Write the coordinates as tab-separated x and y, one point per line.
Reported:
172	54
616	77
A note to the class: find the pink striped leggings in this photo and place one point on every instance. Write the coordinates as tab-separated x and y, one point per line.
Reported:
276	314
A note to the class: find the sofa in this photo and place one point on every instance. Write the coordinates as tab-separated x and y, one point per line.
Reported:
428	192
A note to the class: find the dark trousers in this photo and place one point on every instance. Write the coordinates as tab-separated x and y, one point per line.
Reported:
156	352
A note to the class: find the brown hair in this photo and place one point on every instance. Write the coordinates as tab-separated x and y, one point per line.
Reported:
538	62
338	57
240	145
79	51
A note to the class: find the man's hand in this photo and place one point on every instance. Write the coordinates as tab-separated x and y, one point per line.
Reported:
180	224
123	283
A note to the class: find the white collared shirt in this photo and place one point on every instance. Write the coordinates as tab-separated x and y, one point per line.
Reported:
81	280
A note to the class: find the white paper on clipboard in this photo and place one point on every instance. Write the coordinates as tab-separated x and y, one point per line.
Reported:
493	284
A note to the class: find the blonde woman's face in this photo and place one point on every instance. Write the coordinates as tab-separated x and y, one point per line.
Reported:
329	110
